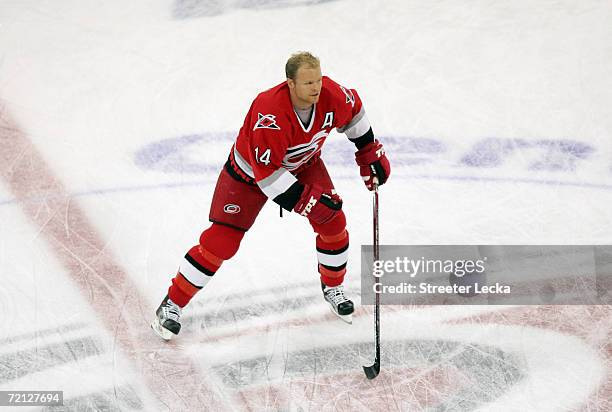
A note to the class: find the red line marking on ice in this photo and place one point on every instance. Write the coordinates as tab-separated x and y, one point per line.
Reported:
103	283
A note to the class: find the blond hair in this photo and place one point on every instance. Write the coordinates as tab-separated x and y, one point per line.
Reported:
298	60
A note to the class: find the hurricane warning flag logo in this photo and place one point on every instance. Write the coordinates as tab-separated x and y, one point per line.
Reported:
266	121
350	98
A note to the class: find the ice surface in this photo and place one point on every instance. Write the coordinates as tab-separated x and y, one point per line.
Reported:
115	118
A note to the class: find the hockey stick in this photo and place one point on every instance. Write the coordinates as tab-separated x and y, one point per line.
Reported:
372	371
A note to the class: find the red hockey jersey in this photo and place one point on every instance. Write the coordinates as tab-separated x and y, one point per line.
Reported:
273	143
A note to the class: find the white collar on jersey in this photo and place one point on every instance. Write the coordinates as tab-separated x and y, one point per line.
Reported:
312	117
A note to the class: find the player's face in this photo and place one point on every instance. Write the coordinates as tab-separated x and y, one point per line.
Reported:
306	87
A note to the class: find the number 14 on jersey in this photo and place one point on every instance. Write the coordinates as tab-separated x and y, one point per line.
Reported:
264	158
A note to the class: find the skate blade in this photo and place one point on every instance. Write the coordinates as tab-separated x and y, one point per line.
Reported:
163	333
346	318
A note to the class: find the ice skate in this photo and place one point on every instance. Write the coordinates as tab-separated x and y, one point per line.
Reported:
166	323
340	305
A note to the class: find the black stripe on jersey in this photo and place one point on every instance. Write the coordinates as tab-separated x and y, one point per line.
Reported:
333	252
334	268
198	266
362	141
289	198
187	280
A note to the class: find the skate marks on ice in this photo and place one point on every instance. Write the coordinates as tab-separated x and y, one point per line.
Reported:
591	325
122	398
234	312
103	283
54	356
417	375
38	358
283	355
456	364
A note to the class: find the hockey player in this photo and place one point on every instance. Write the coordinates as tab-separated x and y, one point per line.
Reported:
277	156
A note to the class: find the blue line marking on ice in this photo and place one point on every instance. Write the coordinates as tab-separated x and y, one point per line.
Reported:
130	189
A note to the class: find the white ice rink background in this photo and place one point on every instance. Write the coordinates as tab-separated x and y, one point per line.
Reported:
116	117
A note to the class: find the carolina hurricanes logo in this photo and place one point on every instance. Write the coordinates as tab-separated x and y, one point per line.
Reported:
266	121
300	154
350	98
231	209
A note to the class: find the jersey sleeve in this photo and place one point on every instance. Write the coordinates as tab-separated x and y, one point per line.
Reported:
352	118
267	146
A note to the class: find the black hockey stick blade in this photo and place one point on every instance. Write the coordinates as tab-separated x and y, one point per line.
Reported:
372	371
